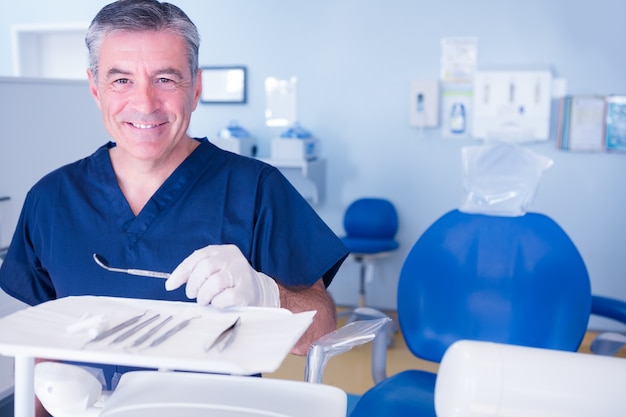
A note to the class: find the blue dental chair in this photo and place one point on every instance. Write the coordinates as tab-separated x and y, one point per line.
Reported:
513	280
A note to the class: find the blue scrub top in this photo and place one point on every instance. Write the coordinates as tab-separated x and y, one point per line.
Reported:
213	197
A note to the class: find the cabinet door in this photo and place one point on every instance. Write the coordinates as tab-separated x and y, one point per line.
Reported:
8	305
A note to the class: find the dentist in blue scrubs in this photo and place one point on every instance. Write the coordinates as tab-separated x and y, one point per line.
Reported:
231	229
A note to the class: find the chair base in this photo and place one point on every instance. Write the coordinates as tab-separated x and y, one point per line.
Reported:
366	268
362	312
408	393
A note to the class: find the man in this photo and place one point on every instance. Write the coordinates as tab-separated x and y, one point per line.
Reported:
232	229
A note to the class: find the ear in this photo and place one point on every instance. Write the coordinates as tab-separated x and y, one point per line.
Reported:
93	88
197	89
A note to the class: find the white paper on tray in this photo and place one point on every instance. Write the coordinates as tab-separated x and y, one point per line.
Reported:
264	338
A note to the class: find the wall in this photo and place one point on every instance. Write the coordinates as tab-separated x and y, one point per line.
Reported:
354	61
46	124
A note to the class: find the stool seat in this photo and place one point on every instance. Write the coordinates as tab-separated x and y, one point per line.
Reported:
363	246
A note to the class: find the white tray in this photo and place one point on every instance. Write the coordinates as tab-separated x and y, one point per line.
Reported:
264	338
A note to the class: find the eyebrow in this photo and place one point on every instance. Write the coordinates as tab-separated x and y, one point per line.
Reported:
113	72
170	71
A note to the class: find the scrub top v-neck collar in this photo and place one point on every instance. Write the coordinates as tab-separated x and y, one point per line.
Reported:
174	185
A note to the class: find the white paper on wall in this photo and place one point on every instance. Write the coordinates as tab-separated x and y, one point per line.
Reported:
512	105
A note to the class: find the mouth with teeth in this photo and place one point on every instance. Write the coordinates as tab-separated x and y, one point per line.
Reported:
145	126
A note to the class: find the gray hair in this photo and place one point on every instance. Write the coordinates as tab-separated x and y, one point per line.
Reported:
139	16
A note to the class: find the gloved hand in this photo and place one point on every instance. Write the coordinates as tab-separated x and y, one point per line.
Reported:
221	275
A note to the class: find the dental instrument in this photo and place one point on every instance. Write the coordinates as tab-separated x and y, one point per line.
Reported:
225	338
100	260
151	332
134	329
116	329
180	326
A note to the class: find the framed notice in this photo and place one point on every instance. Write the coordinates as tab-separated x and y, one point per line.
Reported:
616	123
224	85
582	124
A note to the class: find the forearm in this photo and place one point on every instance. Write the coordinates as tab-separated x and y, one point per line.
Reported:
306	299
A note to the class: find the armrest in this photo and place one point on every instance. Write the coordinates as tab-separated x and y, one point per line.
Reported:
379	347
608	307
344	339
608	343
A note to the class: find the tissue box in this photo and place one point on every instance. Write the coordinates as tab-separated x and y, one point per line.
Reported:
294	148
243	146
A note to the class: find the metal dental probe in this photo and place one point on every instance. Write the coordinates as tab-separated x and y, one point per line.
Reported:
151	332
142	272
180	326
134	329
116	329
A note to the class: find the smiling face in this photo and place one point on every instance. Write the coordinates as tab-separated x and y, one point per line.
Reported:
146	93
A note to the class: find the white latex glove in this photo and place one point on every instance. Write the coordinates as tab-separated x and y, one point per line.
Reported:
220	275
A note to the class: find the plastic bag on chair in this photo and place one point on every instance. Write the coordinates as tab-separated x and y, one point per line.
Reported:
500	179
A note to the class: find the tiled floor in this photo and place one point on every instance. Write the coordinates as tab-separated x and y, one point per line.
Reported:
350	371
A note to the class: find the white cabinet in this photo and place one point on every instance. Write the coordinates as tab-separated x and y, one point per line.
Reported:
50	51
307	176
8	305
3	239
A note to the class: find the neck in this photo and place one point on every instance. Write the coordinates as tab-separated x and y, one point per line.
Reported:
140	179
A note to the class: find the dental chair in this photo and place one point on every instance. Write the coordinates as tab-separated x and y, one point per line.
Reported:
516	280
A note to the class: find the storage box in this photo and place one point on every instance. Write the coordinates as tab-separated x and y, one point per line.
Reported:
294	148
243	146
512	105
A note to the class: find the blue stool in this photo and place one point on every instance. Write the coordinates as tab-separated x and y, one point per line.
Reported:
371	225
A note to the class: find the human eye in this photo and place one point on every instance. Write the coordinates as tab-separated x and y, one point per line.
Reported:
165	83
120	83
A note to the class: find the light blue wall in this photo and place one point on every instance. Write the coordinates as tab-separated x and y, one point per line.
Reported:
354	61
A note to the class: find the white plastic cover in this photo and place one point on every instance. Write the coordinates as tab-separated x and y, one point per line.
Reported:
483	379
500	179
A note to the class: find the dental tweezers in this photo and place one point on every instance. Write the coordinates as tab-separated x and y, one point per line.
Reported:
225	338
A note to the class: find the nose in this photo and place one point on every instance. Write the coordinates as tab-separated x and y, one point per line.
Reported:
145	98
